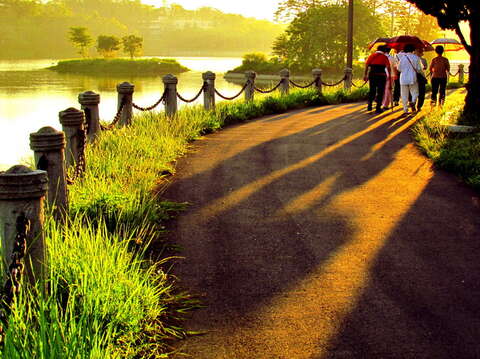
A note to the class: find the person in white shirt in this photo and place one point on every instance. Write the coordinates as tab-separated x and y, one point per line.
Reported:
408	66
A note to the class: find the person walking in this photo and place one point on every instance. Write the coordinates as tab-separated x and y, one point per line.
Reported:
396	78
387	96
409	66
375	72
421	78
439	68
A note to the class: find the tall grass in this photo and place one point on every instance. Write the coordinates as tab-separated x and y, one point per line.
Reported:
457	153
103	297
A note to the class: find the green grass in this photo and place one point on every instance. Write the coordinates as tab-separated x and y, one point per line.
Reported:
105	298
457	153
138	67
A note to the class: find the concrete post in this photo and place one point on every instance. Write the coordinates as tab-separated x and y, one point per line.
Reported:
209	91
72	121
22	193
170	84
125	94
285	78
461	73
48	146
89	101
250	89
317	76
348	79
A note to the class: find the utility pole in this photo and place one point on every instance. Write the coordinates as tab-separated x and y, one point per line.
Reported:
350	35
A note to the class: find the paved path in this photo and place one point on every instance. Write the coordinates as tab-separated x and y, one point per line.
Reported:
324	233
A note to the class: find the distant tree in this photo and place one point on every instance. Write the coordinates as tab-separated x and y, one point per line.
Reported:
107	45
80	38
449	14
132	45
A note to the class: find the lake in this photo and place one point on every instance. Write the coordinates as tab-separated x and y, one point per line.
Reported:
31	97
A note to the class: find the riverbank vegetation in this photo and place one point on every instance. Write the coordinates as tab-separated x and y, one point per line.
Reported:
455	152
138	67
109	294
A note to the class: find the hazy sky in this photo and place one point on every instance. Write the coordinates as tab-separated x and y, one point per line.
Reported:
261	9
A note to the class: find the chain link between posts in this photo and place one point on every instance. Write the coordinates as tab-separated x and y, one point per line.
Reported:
116	119
81	162
204	86
149	108
268	91
14	273
233	97
314	82
335	84
359	86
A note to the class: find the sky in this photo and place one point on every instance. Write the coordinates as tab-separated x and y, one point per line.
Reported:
261	9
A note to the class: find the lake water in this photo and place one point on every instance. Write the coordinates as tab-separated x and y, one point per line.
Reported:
31	97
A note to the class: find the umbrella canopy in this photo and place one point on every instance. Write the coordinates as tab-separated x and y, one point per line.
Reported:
399	42
380	40
427	45
448	44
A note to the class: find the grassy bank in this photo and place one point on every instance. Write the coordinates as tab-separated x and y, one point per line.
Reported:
138	67
107	295
454	152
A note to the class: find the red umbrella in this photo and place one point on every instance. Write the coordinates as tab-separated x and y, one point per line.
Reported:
380	40
399	42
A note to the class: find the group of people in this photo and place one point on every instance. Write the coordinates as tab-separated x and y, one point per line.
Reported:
403	76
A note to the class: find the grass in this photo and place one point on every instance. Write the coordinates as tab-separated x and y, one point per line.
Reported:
106	295
138	67
456	153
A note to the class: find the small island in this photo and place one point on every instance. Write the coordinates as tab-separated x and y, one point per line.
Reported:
138	67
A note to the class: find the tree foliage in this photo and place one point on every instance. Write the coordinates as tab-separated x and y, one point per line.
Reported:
80	38
132	45
317	36
108	45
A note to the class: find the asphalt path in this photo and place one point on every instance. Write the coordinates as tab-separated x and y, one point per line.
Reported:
325	233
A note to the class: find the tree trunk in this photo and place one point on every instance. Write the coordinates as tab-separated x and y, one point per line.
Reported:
472	100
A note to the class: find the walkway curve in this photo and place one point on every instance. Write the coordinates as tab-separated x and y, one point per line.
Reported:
325	233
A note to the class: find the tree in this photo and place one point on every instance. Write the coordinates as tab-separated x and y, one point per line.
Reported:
107	45
449	14
80	38
317	36
132	45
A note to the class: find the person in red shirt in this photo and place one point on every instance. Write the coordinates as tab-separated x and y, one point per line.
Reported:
376	69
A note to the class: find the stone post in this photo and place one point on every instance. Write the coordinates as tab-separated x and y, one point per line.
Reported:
170	84
317	76
250	89
285	78
48	146
125	94
72	121
22	193
209	91
89	101
461	73
348	79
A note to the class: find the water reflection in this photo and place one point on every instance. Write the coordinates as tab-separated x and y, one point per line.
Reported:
31	97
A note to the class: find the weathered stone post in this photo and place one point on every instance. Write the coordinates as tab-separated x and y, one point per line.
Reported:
285	78
461	73
250	89
125	95
22	193
72	121
317	76
348	79
89	101
48	146
209	91
170	84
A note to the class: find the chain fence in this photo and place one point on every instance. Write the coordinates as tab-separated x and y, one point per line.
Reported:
314	82
336	83
204	86
359	86
268	91
149	108
81	162
116	119
14	273
233	97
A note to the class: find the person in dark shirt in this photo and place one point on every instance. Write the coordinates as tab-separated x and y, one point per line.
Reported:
376	69
439	68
